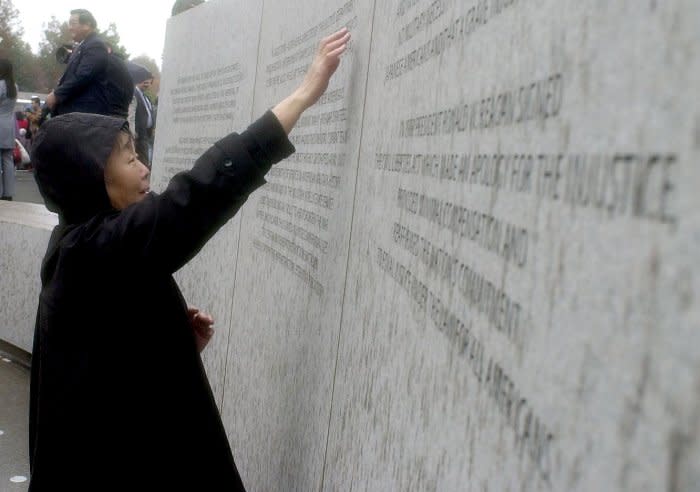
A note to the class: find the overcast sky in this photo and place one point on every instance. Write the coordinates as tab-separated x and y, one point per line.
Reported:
140	23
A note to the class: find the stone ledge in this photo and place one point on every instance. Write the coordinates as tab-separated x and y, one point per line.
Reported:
25	229
17	355
28	214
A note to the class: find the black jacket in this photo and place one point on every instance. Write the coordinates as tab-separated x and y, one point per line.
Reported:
119	396
144	135
120	88
93	82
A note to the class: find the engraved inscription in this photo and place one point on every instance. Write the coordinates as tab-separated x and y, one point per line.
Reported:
207	96
301	197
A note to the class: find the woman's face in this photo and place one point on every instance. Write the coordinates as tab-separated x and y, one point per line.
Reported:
126	178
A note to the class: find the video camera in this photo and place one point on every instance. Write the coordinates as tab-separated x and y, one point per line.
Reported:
63	53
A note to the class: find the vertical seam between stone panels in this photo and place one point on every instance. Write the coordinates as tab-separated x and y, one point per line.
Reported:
230	314
347	263
240	224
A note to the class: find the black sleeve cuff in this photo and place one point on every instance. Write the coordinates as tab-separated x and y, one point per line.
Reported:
265	140
271	137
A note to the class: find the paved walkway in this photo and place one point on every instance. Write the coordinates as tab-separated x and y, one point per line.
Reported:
14	386
26	190
14	423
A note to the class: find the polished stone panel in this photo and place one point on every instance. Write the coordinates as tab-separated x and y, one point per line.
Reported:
479	270
293	254
209	66
521	306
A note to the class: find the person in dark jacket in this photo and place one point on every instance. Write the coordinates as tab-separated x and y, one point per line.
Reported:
119	397
90	83
120	87
145	116
8	129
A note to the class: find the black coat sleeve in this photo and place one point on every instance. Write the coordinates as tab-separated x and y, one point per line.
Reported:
165	231
93	62
139	118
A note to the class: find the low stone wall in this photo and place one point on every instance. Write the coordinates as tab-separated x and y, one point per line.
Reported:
25	229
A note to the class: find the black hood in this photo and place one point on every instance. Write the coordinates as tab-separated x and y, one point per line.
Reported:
69	155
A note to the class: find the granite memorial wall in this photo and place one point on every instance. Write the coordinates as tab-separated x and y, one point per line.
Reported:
293	254
479	270
209	67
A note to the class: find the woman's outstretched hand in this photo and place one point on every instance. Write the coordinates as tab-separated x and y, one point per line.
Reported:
324	66
201	324
315	82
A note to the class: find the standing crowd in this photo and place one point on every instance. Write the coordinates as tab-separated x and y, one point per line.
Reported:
8	129
96	80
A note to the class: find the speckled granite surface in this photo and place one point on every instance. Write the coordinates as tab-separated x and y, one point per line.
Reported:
479	271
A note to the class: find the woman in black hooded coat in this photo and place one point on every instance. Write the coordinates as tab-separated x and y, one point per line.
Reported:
119	396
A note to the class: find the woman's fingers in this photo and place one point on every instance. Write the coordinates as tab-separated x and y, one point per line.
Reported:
327	61
199	317
315	83
338	51
333	45
205	334
201	324
336	35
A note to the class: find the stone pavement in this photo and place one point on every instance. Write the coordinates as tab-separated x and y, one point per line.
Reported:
26	189
14	386
14	420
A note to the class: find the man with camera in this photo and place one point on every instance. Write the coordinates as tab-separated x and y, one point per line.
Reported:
88	84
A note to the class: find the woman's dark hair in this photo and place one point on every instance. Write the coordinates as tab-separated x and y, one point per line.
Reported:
85	17
126	131
7	75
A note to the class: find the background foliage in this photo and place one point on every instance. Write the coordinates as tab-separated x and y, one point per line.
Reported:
39	72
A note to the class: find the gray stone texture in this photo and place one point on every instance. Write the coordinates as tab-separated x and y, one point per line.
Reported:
293	255
24	234
207	86
505	333
479	271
